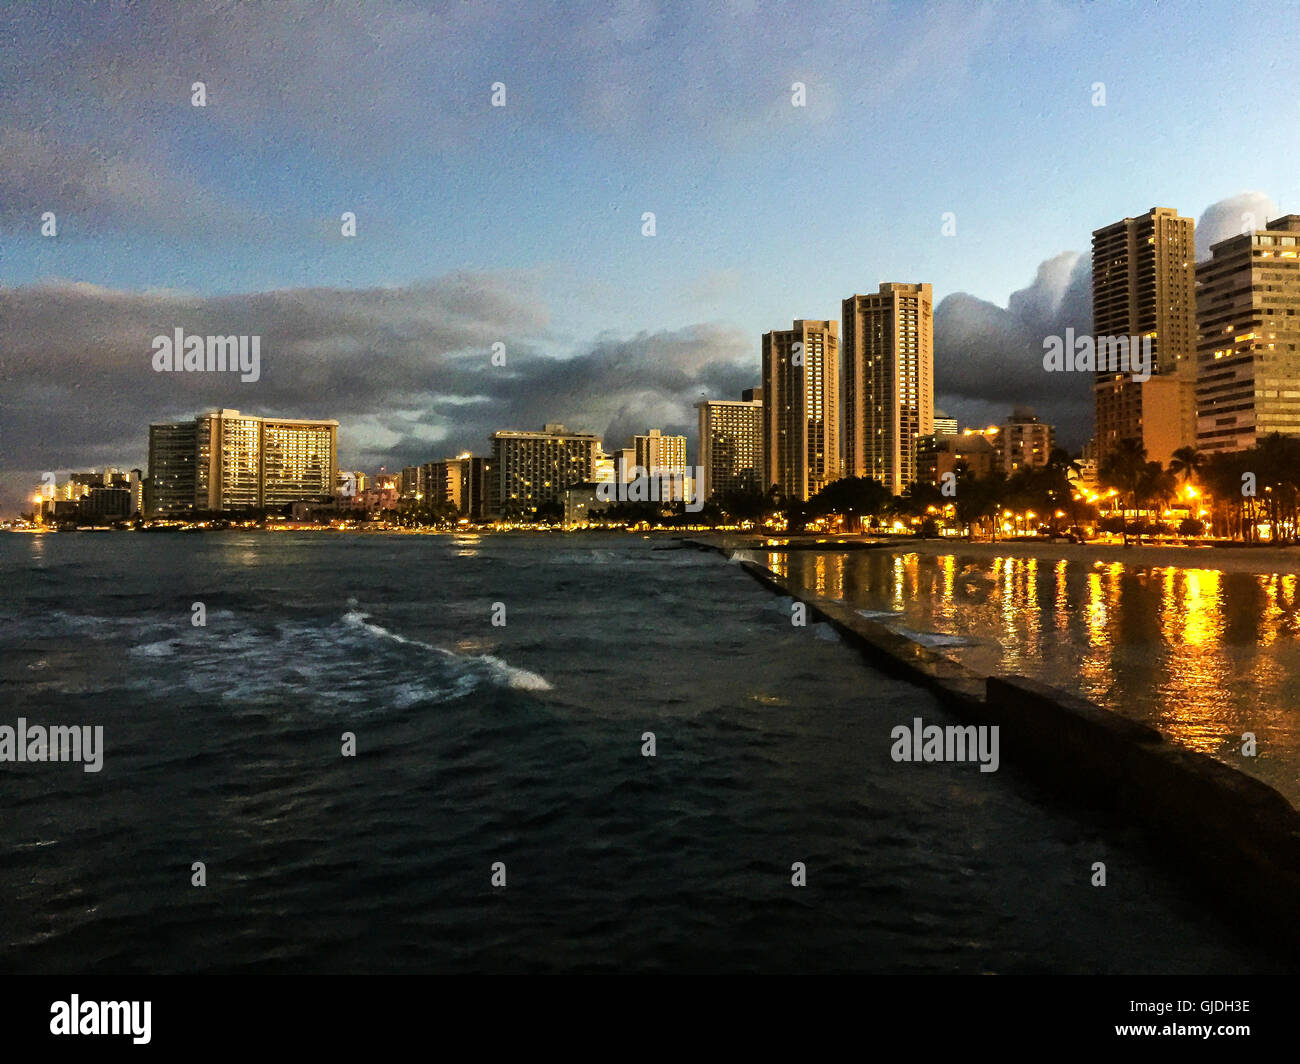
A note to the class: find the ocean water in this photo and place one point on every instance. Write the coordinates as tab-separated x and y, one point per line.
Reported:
518	744
1205	656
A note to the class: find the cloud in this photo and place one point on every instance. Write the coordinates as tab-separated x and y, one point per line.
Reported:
93	191
1231	217
990	358
407	370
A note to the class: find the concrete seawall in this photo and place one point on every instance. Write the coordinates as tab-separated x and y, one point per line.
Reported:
1235	839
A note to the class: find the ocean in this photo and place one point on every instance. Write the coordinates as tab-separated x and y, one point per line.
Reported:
512	750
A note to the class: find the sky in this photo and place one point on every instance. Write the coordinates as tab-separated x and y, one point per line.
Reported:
523	224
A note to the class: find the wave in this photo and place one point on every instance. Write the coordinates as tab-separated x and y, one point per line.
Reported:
164	648
892	619
503	672
934	639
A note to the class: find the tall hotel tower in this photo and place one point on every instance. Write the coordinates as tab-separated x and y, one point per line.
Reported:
1248	306
1144	287
801	408
731	446
888	382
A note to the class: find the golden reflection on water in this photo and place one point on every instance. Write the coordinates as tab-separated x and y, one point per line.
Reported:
1194	689
819	581
1062	599
1095	667
1201	654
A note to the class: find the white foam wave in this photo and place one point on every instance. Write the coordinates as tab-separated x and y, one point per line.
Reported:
934	639
879	615
501	671
163	649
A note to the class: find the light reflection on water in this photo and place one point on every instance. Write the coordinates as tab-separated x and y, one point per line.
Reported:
1202	655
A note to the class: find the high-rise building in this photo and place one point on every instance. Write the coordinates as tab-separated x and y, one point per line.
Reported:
944	425
535	468
110	504
657	453
441	486
731	446
1248	306
1144	288
478	480
604	471
888	342
927	456
413	488
350	482
624	464
171	468
227	462
299	460
461	484
1024	441
801	428
237	462
664	458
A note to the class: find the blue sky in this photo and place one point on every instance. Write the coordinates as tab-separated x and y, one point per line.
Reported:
764	212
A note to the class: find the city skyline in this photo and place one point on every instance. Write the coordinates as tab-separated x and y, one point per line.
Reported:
225	219
1043	391
864	408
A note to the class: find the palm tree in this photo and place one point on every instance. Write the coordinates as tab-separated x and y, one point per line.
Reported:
1185	463
1123	469
1158	486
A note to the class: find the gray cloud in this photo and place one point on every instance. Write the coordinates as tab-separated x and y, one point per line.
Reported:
989	358
94	191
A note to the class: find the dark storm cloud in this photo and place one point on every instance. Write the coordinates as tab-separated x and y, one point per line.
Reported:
989	358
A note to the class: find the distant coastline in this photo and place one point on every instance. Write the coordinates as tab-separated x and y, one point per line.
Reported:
1225	557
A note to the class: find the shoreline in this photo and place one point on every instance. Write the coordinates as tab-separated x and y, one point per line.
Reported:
1265	561
1242	559
1234	558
